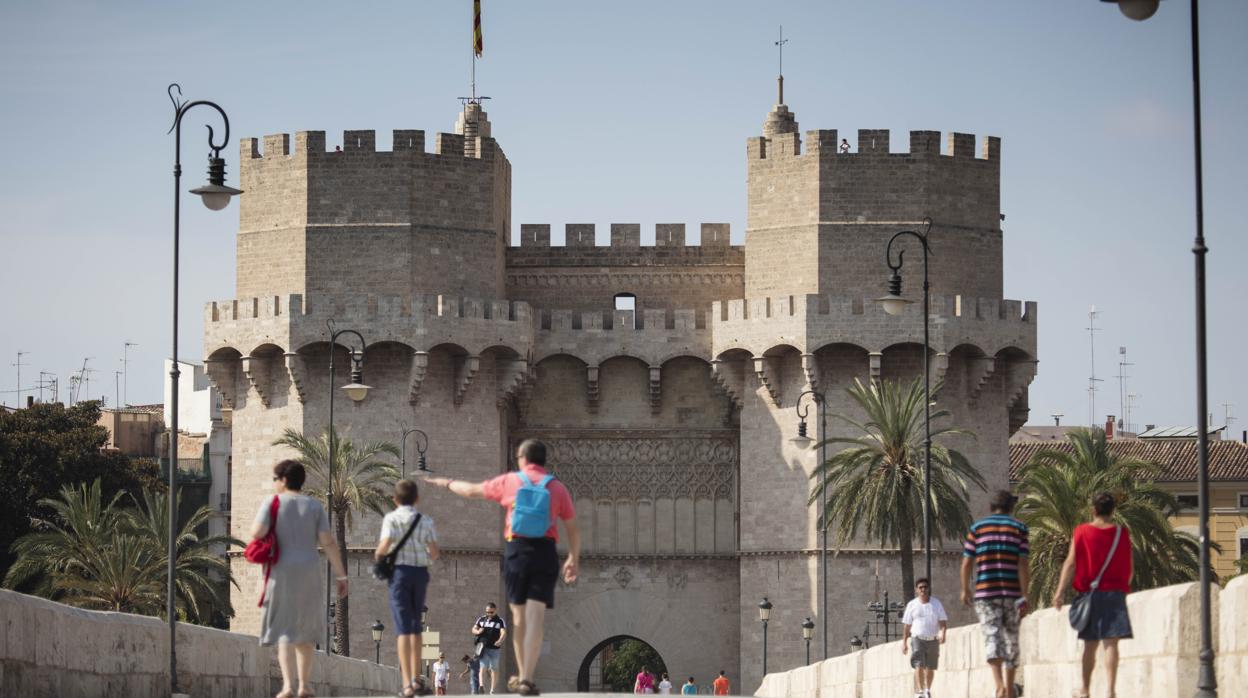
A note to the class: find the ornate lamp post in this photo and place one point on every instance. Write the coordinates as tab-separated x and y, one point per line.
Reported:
764	615
1206	679
804	441
422	445
357	391
893	305
808	631
215	196
377	629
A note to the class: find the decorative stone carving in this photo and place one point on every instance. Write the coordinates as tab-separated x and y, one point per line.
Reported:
256	370
296	368
728	377
768	377
810	367
591	387
224	375
656	389
873	360
980	369
938	367
512	377
465	371
622	577
416	379
637	466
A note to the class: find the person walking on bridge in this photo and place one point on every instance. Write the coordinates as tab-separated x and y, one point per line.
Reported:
535	503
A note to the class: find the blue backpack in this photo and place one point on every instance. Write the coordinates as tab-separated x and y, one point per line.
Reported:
530	513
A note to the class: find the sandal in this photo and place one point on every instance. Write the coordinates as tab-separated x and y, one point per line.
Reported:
285	694
513	684
305	693
528	688
419	688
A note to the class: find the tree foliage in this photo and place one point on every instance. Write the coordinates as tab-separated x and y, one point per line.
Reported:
47	446
362	482
95	553
1057	487
875	484
625	660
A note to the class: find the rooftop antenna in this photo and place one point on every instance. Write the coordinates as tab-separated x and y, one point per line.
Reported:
20	354
1131	398
125	371
1228	418
1122	386
117	388
1057	418
780	76
1092	379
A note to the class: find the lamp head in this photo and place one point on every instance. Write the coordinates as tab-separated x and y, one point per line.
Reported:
356	390
808	628
215	194
801	440
855	642
421	464
893	303
764	610
1139	10
377	629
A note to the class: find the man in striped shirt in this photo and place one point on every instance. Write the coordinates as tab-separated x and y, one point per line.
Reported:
996	551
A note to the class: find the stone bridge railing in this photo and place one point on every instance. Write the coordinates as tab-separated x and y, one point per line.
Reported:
50	649
1160	662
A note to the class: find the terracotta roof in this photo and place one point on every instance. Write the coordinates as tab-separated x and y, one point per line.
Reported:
1228	460
158	408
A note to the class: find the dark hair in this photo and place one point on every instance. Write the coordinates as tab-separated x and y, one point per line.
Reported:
1103	504
406	492
292	472
721	672
690	679
922	580
492	605
466	659
533	451
1003	502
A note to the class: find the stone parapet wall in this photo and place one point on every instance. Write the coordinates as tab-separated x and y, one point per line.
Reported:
50	649
1161	661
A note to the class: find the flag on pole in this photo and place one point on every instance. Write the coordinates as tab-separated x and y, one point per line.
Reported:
477	45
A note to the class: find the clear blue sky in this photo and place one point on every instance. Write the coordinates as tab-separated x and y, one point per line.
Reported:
635	112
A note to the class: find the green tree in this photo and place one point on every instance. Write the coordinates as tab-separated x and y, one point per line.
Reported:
624	661
875	484
1057	486
361	482
48	446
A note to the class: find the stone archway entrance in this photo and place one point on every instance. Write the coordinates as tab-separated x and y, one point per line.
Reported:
621	655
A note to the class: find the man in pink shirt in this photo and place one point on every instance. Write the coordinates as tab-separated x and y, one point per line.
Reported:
530	564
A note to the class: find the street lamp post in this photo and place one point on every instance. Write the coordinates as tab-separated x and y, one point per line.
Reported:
803	441
377	629
764	615
893	305
422	445
808	631
1206	679
215	196
357	391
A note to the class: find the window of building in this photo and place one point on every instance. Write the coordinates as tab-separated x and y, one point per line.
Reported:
627	301
1188	501
1243	500
1243	547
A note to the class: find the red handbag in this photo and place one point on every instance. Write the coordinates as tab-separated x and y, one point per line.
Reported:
264	550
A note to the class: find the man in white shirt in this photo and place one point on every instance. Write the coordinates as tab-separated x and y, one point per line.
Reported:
441	672
925	622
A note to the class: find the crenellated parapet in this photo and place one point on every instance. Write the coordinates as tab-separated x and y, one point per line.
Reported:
873	143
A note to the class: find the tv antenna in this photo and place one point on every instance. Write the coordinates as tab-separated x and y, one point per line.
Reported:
19	365
1122	387
1092	379
1057	418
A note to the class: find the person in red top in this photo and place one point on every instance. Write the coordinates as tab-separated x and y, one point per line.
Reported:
1108	621
720	684
530	565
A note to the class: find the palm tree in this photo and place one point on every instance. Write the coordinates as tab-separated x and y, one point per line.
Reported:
876	484
1057	486
102	556
361	483
199	568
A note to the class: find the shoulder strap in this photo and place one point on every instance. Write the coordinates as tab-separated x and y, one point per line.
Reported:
1117	534
277	502
402	541
546	480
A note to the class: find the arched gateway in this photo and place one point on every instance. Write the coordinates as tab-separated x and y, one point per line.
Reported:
586	679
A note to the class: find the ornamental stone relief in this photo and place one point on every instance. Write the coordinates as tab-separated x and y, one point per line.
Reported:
645	467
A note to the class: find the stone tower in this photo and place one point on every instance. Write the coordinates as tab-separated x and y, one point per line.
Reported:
670	422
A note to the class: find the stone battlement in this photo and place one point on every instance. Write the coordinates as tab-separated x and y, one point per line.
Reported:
372	307
813	304
875	142
357	143
581	236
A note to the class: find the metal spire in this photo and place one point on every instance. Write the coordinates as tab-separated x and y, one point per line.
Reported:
780	77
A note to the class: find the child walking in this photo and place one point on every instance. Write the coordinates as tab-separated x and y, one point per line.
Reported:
410	579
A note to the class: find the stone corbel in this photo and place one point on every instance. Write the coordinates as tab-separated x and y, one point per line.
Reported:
938	367
464	373
873	361
768	377
257	371
591	390
416	376
981	369
810	368
1021	374
656	389
297	370
511	379
224	376
727	380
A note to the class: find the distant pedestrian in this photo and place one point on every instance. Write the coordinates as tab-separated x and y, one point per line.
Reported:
689	688
665	685
535	502
413	534
721	685
844	146
472	670
490	631
996	550
337	149
1099	562
644	683
925	622
441	673
293	615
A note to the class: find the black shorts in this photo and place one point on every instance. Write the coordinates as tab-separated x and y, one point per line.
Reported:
530	570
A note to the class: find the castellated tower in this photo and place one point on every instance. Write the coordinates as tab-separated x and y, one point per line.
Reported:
669	422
